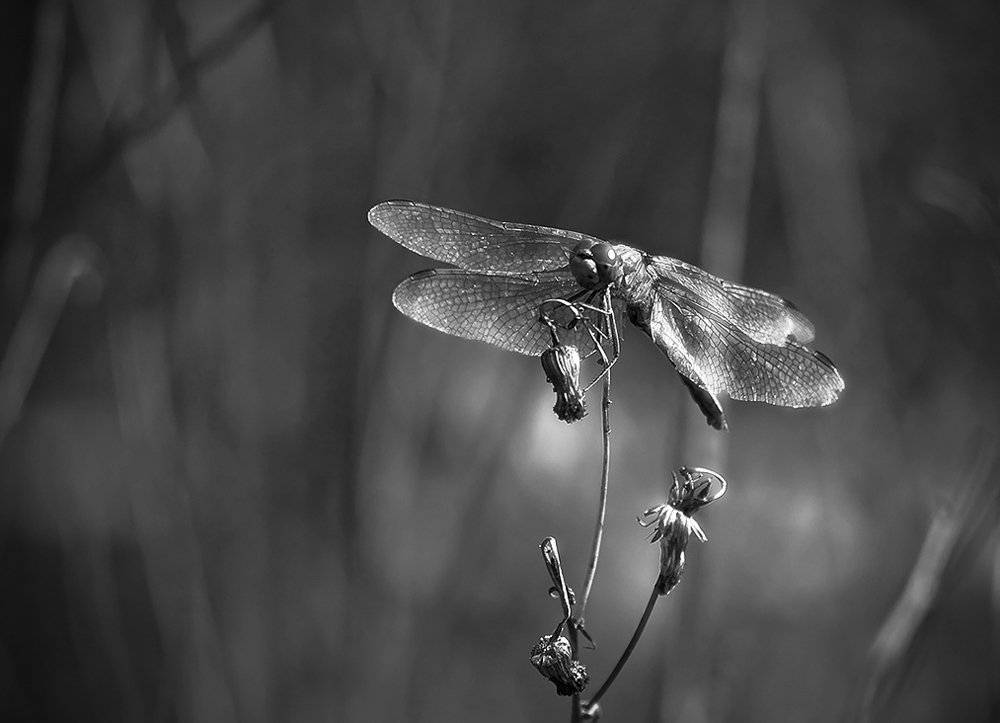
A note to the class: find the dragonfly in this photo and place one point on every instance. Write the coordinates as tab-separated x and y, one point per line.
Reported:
723	338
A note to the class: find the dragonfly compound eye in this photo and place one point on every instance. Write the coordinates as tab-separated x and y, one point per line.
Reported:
609	267
594	264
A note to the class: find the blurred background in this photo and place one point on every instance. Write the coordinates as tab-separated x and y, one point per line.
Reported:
236	485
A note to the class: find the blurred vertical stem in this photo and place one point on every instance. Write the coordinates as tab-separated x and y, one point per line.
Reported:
69	260
964	522
723	245
736	128
722	253
36	139
70	257
417	72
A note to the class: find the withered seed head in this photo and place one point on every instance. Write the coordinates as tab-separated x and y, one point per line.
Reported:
561	363
554	660
689	492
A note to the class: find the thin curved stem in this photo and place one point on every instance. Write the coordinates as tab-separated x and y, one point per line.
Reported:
627	653
602	505
577	622
595	548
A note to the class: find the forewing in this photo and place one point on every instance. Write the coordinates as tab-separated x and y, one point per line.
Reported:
472	242
762	316
722	357
499	310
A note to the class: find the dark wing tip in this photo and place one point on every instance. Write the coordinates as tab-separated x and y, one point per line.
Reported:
802	330
426	273
403	297
836	382
824	360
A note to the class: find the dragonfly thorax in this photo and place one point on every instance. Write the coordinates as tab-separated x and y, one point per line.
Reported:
595	264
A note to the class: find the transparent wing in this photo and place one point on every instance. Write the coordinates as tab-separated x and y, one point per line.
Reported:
717	355
499	310
472	242
760	315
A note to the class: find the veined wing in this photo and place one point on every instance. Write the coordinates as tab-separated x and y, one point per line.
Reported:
718	355
472	242
499	310
764	317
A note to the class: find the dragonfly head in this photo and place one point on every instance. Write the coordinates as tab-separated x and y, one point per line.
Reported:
595	264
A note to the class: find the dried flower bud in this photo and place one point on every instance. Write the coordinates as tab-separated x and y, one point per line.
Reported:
561	363
674	523
554	660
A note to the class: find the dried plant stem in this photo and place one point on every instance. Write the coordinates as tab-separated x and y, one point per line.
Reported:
602	505
627	653
595	548
43	100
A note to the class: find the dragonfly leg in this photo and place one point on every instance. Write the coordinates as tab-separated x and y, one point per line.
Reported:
547	320
555	303
576	305
576	310
612	333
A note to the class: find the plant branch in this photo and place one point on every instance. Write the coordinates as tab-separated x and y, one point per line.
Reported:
162	105
595	548
627	653
602	505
